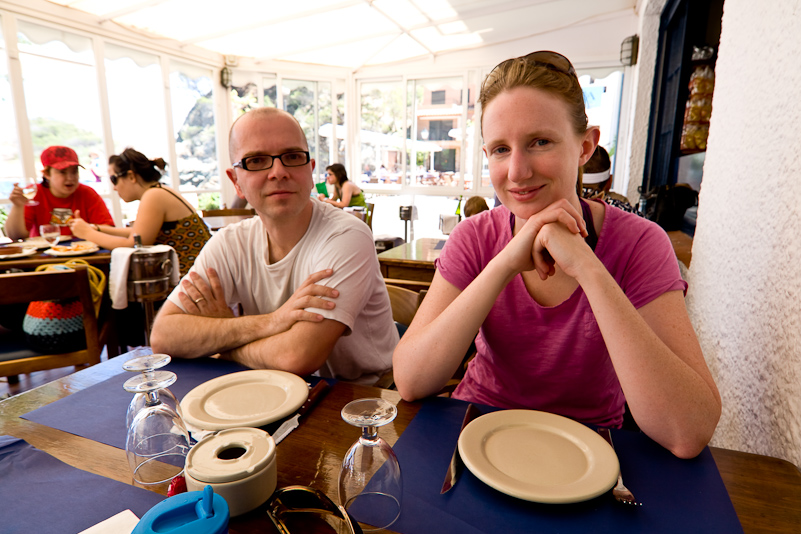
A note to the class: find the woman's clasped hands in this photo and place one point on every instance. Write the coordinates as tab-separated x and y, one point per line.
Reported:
553	236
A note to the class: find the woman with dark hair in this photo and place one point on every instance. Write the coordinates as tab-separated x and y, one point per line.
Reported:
346	193
164	216
579	308
59	197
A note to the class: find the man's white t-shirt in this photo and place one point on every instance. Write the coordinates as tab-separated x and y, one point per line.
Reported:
335	240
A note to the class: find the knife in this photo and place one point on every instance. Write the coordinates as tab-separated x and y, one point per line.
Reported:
291	424
457	465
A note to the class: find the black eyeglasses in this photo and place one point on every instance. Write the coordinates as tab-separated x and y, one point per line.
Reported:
296	158
552	60
295	509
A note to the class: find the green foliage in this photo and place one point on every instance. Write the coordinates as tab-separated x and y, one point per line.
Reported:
208	201
3	215
48	132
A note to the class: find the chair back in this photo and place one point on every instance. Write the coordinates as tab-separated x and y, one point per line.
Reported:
369	217
228	211
24	287
404	304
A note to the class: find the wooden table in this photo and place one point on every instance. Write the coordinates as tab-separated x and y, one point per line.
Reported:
765	491
100	259
216	222
682	245
411	261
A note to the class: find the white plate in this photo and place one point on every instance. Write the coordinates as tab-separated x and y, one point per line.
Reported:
83	252
25	252
247	398
538	456
38	242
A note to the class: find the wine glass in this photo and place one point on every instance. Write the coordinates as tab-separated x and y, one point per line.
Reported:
147	365
51	233
157	441
29	190
370	483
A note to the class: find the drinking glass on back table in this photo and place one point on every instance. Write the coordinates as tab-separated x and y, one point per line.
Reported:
51	233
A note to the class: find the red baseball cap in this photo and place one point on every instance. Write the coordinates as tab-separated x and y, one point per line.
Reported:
60	157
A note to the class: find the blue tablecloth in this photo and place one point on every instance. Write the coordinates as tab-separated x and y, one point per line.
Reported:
41	494
98	412
686	496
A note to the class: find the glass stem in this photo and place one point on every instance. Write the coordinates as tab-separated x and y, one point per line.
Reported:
369	433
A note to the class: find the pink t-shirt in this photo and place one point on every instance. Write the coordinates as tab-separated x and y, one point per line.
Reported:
60	211
554	359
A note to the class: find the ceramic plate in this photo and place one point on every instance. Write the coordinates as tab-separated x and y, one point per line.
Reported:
38	242
26	251
79	248
244	399
538	456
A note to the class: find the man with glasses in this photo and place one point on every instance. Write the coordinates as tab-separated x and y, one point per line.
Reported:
304	273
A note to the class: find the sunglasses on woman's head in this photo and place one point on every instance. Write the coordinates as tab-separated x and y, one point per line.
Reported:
551	59
548	59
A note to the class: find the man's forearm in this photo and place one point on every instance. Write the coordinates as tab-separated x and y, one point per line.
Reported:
302	349
191	336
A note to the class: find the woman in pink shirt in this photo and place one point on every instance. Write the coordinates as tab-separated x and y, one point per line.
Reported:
578	306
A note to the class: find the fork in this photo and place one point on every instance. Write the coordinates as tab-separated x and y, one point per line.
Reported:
620	492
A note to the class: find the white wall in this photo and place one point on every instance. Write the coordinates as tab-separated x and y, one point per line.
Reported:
745	277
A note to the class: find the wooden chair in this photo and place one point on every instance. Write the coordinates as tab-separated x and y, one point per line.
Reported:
48	285
369	217
404	303
228	211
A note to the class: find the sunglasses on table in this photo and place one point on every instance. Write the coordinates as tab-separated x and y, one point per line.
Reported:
297	509
262	162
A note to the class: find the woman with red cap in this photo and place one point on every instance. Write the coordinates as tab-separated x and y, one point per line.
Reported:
58	197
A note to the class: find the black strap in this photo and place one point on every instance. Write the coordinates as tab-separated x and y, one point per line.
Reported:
179	197
592	237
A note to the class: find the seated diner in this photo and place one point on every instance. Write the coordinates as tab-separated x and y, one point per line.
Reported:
579	308
58	199
164	216
346	193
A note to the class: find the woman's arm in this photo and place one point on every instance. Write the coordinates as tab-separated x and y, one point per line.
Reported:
344	201
654	350
149	219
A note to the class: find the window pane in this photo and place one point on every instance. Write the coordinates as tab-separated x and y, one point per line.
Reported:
382	133
138	118
341	143
60	87
244	93
10	161
602	101
270	91
310	103
437	112
193	122
324	116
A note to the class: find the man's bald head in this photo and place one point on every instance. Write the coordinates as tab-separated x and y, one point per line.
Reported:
257	114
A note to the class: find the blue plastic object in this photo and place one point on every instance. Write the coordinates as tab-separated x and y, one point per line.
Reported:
195	512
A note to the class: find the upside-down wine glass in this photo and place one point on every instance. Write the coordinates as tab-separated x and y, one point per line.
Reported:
157	441
147	365
370	483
